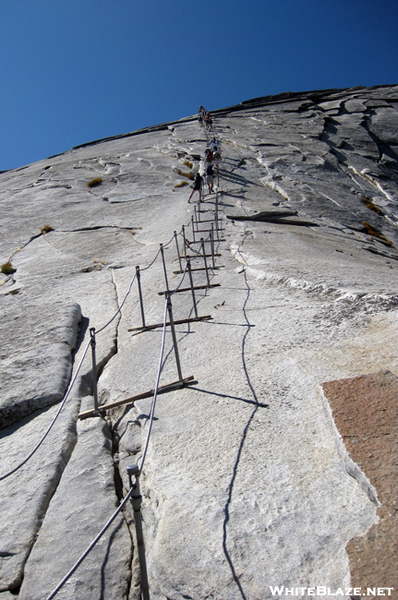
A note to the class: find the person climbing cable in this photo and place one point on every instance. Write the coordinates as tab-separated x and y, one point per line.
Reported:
197	186
213	145
209	177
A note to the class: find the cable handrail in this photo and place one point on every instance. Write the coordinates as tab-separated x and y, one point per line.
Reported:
2	477
90	547
160	368
161	365
74	377
144	453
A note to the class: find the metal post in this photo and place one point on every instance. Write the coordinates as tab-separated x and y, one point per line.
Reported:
193	229
196	218
185	241
216	216
173	332
136	500
164	267
204	258
192	288
212	245
178	250
94	363
137	270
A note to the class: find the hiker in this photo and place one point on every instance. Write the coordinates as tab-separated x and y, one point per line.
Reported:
213	145
209	155
197	186
202	112
209	177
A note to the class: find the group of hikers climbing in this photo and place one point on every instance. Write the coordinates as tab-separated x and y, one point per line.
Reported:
212	156
204	117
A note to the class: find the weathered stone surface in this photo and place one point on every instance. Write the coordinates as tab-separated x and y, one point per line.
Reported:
85	497
26	493
365	412
246	483
38	340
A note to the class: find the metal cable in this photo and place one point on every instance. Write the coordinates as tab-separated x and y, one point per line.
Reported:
152	413
120	307
169	242
129	289
52	422
72	382
2	477
90	547
160	368
182	279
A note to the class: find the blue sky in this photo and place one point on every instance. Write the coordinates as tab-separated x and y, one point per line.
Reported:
79	70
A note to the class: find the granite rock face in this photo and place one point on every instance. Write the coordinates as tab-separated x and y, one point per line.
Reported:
249	480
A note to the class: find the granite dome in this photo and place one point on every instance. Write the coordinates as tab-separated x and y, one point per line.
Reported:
275	465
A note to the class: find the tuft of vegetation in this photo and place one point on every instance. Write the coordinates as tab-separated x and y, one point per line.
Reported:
45	229
134	231
181	184
185	174
94	182
370	230
188	164
369	204
7	269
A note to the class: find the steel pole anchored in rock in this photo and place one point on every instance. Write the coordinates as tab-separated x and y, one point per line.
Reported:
173	333
192	288
137	270
164	266
196	217
136	501
216	216
212	245
185	241
204	258
193	229
94	363
178	251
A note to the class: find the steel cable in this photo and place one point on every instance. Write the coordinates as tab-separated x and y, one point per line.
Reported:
160	368
72	381
151	418
120	307
90	547
153	405
9	473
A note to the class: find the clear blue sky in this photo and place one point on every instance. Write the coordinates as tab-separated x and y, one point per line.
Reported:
74	71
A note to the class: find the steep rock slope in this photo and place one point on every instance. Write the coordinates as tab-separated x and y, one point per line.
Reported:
247	482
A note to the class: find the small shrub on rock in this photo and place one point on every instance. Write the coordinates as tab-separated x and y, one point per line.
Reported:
369	204
94	182
7	268
181	184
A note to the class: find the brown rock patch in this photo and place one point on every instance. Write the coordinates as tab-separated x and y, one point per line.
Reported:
365	411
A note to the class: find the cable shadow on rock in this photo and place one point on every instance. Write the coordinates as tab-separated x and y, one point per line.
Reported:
221	395
106	559
238	179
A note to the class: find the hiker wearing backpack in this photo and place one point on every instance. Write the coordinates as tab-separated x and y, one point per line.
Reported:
197	186
209	177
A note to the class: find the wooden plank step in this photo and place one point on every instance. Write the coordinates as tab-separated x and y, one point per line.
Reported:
188	289
178	322
161	390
